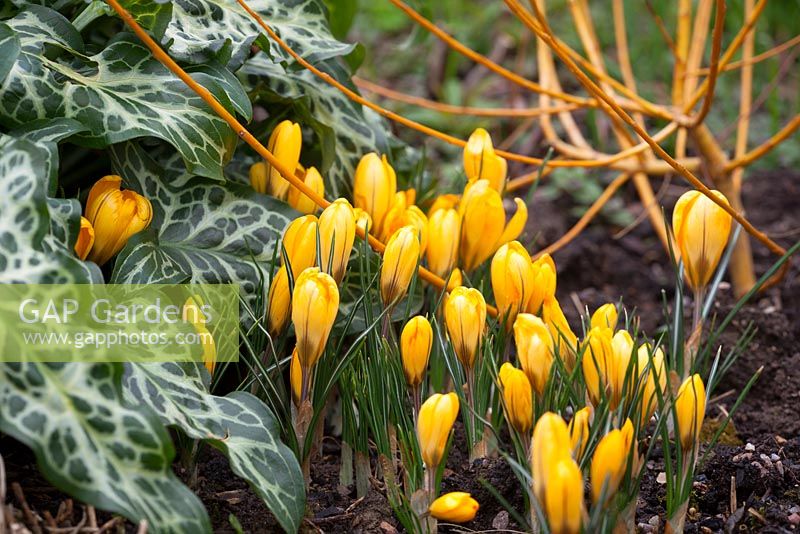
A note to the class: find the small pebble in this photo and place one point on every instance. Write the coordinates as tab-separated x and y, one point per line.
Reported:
661	478
655	522
388	528
779	467
500	521
794	519
774	457
750	447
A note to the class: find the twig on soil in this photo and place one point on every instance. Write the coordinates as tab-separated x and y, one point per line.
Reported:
92	516
733	501
142	527
30	517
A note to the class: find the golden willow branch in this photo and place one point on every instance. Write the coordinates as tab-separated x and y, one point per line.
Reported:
248	138
540	27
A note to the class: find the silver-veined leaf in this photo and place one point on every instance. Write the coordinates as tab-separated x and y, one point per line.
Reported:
118	94
239	425
9	49
90	445
25	221
201	30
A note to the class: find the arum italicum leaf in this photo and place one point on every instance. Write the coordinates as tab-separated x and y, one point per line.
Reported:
196	31
118	94
239	425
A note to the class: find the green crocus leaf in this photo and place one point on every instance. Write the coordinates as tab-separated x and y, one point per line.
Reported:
118	94
239	425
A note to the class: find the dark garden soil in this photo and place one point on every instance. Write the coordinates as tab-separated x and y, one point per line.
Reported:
758	460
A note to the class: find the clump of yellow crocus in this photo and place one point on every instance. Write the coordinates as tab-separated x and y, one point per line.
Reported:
599	365
337	233
85	240
374	188
454	507
400	260
701	229
280	302
300	242
517	398
299	201
534	349
690	409
401	215
483	223
315	303
115	215
465	318
444	233
544	283
512	281
435	421
482	163
285	143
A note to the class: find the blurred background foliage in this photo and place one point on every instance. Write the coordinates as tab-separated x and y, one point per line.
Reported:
400	55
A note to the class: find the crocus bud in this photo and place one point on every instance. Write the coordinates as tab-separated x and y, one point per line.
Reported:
655	378
690	408
701	230
363	220
481	162
337	232
300	242
435	420
456	279
279	302
598	365
534	349
259	176
374	188
483	223
465	318
622	348
209	349
550	443
444	202
299	201
579	431
315	302
563	502
454	507
392	221
565	341
408	216
605	316
517	398
512	281
544	283
295	377
85	239
400	260
115	214
411	196
444	233
609	461
285	143
416	341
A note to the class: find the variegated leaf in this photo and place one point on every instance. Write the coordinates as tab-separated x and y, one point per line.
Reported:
346	130
239	425
118	94
202	231
200	30
25	221
9	49
89	444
